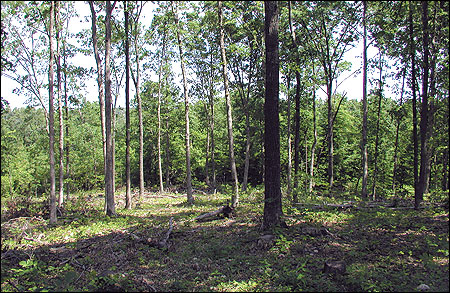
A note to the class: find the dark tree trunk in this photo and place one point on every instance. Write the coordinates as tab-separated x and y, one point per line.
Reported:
296	137
413	89
272	193
424	151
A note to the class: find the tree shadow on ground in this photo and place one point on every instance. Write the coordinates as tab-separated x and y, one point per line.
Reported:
226	255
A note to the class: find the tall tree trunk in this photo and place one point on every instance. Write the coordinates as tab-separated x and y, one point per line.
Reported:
377	134
289	138
60	107
414	106
100	84
297	109
127	112
365	166
109	173
208	144
397	128
136	80
297	137
247	115
51	118
330	134
167	147
313	147
161	186
66	105
424	151
272	193
190	198
211	106
235	196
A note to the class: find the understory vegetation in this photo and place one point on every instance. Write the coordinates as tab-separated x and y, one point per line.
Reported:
384	248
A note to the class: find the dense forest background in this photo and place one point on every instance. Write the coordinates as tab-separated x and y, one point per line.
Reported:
406	130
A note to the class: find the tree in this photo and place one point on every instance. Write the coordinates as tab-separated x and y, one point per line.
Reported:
53	218
60	105
109	173
235	196
272	193
190	198
365	172
424	147
136	80
127	111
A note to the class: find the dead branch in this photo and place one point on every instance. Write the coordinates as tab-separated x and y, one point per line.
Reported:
226	210
161	244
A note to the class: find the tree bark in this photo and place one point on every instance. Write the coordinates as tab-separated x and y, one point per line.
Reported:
377	136
365	166
161	186
60	107
98	62
313	147
211	106
127	112
235	196
289	143
109	188
398	120
296	137
136	80
413	89
272	192
53	218
190	198
424	151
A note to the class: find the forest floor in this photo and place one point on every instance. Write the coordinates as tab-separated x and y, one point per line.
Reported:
378	247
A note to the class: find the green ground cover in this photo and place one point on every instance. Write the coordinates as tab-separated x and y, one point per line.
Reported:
383	249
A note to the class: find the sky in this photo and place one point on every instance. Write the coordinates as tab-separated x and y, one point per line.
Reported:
352	85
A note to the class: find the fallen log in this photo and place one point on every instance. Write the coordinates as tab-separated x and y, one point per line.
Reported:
161	244
226	210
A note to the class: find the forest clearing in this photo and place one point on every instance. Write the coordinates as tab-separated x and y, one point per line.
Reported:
225	146
383	248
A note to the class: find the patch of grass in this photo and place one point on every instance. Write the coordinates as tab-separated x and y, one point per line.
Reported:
383	249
